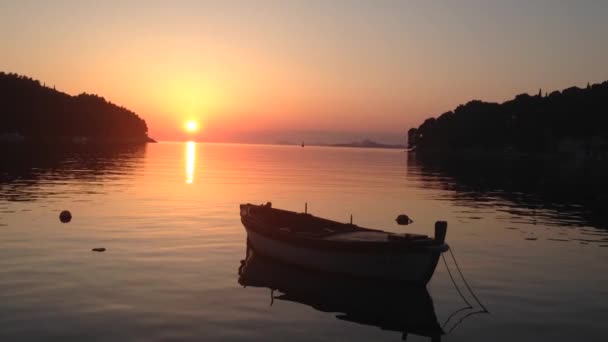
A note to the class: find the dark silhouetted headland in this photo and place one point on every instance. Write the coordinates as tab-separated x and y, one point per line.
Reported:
30	111
573	121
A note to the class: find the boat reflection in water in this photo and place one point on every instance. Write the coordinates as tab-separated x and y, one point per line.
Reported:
388	305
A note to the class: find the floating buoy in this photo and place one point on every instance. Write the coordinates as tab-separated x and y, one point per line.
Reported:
403	220
65	216
98	249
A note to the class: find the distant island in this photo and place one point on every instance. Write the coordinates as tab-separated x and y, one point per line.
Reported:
367	144
33	112
573	121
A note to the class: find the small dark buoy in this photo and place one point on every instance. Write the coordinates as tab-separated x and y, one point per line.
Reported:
98	249
65	216
403	220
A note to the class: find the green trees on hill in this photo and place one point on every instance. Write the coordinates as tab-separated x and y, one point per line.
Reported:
38	112
526	123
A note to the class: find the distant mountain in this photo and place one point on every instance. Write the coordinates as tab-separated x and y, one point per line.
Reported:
33	112
368	144
574	120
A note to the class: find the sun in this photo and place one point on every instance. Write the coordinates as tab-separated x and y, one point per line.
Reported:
191	126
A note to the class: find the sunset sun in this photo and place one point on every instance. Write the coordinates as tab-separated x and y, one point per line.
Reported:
191	126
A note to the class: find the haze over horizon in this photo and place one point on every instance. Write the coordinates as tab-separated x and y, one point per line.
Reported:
287	70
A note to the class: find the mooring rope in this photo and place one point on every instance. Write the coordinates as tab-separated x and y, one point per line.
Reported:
465	282
465	317
464	299
454	282
459	292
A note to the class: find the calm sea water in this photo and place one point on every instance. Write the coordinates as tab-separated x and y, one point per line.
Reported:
168	215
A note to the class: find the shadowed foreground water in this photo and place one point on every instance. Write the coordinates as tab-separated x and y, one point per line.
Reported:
168	216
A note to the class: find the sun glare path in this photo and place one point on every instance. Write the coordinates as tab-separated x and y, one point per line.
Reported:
190	161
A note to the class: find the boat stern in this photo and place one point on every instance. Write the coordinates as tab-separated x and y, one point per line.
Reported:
441	230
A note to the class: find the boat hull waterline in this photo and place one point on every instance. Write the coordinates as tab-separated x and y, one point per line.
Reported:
339	254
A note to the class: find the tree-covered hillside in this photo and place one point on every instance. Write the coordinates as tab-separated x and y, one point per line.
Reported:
39	113
574	118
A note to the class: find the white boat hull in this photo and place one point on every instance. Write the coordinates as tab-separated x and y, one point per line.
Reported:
408	266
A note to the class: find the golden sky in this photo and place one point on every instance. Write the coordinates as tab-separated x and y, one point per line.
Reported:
302	66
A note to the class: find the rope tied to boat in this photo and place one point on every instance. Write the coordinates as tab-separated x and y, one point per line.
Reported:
469	306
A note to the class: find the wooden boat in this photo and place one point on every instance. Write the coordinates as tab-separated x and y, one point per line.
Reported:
303	240
386	305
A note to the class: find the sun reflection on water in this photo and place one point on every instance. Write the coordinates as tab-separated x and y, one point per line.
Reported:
190	161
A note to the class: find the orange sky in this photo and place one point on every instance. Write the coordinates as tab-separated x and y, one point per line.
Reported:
311	66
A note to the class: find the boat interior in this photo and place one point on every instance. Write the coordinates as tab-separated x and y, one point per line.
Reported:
307	225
